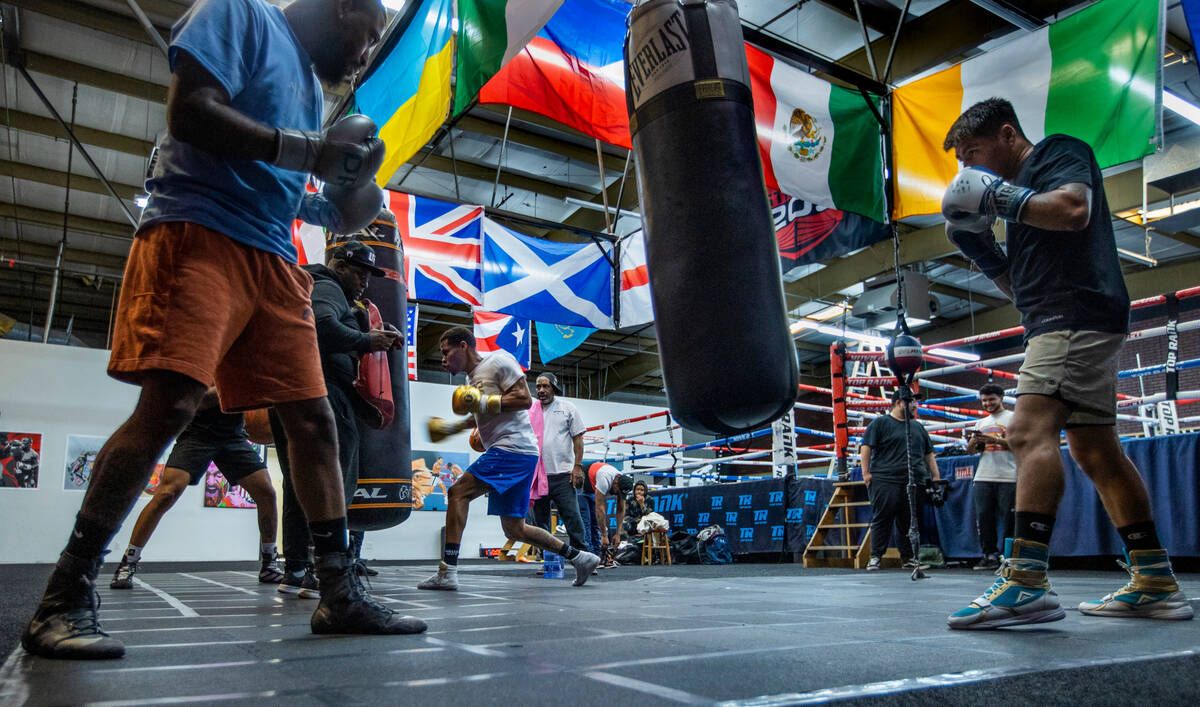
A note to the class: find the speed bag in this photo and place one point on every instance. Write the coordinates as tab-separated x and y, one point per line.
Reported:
384	494
728	360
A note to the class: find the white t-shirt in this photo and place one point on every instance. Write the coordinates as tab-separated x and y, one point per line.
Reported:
511	431
560	423
602	481
997	463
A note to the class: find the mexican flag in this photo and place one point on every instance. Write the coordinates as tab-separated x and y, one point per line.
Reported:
1094	75
490	32
818	142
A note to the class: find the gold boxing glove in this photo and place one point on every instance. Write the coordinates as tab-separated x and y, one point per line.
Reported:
440	429
469	399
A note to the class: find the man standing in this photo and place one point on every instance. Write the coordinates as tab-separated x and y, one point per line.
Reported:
212	292
211	437
497	398
887	451
995	486
343	335
1062	271
561	442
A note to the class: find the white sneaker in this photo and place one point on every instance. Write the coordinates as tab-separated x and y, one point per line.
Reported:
585	564
446	579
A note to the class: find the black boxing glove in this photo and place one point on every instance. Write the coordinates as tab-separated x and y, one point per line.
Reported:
348	154
341	210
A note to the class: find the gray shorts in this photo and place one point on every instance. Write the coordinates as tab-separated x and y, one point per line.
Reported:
1077	367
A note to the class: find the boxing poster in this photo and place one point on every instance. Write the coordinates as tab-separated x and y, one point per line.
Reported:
20	459
81	456
219	493
433	473
808	234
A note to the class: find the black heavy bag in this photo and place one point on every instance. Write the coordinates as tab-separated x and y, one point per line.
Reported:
728	360
384	494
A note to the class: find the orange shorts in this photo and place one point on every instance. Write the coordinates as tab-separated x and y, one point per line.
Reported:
195	301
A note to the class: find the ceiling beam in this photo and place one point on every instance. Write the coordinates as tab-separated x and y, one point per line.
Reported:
91	17
53	177
475	123
118	229
25	250
965	295
487	173
880	17
51	128
95	77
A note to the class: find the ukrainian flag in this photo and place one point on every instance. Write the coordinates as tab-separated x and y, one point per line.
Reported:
408	92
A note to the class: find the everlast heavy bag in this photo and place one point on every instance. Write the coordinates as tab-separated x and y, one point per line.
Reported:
728	360
384	495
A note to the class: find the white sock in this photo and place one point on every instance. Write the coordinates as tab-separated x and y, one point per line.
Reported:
267	549
448	569
133	553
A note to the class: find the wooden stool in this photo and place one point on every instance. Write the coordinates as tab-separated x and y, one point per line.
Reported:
656	541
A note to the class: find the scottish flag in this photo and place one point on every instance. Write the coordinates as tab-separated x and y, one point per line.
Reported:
557	283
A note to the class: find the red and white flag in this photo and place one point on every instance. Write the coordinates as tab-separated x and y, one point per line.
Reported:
503	332
635	283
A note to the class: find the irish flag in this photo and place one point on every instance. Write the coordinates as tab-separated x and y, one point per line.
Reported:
490	33
1093	75
818	142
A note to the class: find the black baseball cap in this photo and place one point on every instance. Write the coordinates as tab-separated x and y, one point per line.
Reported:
624	483
553	379
360	254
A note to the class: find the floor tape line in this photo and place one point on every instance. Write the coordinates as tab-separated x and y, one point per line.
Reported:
179	606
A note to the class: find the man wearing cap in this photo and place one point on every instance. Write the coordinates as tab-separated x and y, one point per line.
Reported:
343	335
559	429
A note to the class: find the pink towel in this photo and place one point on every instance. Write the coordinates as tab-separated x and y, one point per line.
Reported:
540	487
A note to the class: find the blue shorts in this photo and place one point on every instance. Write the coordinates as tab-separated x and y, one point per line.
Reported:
510	475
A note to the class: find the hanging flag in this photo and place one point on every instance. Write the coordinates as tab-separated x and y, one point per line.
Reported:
1092	75
635	282
441	248
490	34
309	241
561	283
410	338
808	234
503	332
1191	13
409	104
556	340
572	71
818	142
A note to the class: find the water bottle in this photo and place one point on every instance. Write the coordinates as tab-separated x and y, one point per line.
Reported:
552	565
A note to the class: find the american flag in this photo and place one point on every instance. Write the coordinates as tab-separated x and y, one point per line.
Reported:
441	248
410	338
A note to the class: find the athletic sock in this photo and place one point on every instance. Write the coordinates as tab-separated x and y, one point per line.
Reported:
133	554
1140	536
329	536
267	549
1034	526
569	552
89	538
450	554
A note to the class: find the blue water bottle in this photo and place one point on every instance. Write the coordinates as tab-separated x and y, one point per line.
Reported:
552	565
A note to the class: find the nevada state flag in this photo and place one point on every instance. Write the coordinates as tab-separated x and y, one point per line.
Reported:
556	283
503	332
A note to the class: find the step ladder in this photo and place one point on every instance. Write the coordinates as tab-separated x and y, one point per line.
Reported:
849	512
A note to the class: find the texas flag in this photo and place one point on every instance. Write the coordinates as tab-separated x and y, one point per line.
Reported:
441	248
503	332
635	282
572	71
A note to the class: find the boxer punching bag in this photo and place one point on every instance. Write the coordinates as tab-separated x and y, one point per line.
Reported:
384	494
728	359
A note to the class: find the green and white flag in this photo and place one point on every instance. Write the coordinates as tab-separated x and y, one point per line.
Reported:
490	33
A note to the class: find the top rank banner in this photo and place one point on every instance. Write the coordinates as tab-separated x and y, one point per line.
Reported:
809	234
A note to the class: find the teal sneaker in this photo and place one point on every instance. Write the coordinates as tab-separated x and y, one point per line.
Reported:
1152	592
1020	595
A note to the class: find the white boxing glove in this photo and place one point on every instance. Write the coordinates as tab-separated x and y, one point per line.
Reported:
976	193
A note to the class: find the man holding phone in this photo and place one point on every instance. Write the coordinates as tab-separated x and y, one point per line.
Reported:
995	486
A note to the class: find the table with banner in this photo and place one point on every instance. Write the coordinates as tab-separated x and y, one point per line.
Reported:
780	514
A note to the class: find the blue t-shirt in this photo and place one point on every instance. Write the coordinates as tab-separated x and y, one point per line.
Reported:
249	47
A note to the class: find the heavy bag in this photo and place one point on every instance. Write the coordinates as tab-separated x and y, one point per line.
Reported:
728	359
384	494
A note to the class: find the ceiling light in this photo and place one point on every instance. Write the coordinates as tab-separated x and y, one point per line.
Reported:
957	355
824	315
142	200
1180	106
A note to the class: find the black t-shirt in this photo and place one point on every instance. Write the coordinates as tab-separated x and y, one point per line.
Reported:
212	424
1067	279
885	436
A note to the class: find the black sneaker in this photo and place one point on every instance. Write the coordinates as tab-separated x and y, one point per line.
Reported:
302	584
66	623
268	571
988	562
346	607
364	570
123	577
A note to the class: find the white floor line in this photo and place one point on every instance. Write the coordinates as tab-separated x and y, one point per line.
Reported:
193	644
179	606
170	668
190	628
661	692
13	688
219	584
477	650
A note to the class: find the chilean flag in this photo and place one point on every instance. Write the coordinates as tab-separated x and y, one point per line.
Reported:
503	332
572	72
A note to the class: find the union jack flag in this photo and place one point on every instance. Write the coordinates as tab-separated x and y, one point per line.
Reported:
410	338
441	248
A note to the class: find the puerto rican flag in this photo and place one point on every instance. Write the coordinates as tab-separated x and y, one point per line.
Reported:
503	332
410	338
441	248
635	282
572	71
